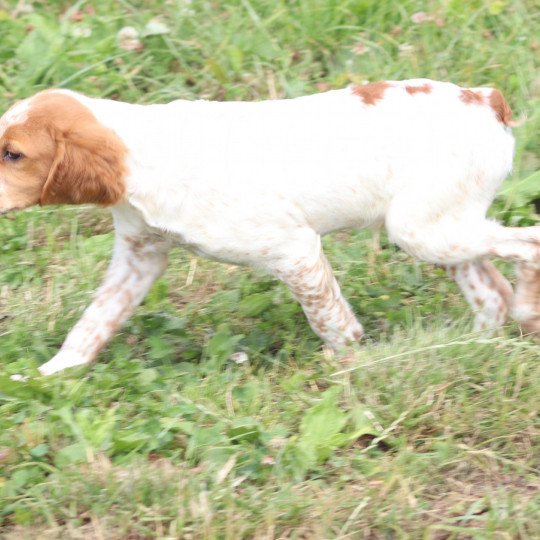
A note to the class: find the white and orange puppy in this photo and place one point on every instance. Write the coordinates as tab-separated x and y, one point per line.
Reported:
259	183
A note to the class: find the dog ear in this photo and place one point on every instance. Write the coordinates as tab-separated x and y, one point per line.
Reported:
88	166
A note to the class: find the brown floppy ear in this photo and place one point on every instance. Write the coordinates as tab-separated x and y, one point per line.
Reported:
88	167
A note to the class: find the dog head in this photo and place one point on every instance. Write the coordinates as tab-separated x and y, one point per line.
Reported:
54	151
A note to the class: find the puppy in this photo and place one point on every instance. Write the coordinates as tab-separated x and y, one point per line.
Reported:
259	183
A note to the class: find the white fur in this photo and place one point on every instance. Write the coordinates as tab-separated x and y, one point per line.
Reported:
16	115
226	177
258	183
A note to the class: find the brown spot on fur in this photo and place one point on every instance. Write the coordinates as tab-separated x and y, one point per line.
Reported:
500	107
423	89
371	93
479	302
471	97
137	243
112	326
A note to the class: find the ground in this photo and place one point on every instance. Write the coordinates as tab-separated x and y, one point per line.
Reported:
426	431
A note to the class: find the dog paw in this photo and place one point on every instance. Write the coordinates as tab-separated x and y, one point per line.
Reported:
61	361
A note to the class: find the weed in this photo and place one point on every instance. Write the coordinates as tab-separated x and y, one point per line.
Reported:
214	414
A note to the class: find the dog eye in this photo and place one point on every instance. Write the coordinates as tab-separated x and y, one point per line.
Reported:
12	156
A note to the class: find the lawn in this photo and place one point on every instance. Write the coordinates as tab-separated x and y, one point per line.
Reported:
215	413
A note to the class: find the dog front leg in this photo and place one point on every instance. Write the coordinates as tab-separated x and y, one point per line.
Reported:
136	263
309	276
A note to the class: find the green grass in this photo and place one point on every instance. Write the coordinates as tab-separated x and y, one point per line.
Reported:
427	432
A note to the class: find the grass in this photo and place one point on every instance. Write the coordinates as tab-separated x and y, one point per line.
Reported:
427	431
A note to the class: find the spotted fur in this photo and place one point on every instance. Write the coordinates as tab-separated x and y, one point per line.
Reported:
260	183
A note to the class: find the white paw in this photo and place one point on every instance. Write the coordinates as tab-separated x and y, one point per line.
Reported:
61	361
